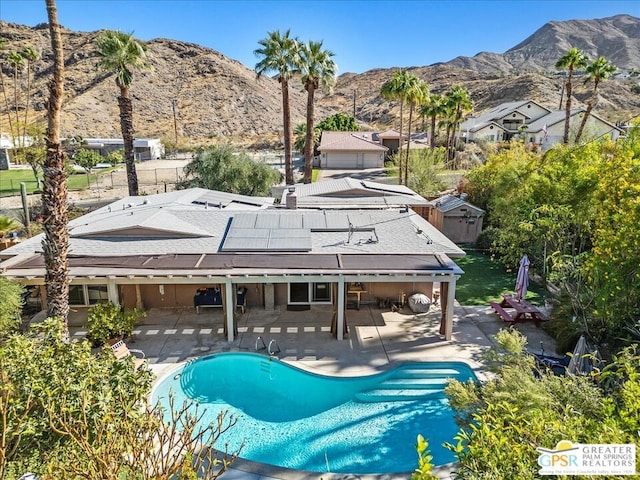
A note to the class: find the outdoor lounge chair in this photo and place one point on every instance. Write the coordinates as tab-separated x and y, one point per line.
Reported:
120	350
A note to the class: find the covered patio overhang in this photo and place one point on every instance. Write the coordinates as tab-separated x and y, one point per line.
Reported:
232	270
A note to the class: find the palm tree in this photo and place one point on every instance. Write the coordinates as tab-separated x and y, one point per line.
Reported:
30	55
3	43
318	70
17	63
432	108
54	195
279	54
120	53
415	93
460	103
599	70
394	89
572	60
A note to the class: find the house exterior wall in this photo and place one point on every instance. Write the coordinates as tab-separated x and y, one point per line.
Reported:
533	111
491	133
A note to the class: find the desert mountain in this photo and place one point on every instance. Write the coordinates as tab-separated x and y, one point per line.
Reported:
219	99
616	38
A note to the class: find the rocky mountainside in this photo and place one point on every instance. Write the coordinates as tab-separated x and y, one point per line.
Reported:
616	38
219	99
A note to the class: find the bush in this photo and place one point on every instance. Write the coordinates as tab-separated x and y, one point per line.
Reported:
110	321
485	240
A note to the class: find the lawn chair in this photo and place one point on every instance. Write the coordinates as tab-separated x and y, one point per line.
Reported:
120	350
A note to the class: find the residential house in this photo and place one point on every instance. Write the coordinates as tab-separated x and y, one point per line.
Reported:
535	123
166	250
143	148
456	218
351	150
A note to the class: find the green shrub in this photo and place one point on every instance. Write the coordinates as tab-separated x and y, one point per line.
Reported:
110	321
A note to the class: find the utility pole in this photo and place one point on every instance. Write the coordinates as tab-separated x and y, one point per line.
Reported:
354	103
175	122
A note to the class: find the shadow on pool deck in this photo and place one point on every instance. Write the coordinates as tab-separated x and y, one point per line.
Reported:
377	340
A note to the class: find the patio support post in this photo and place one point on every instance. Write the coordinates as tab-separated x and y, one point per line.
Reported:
340	331
451	298
138	297
112	291
229	310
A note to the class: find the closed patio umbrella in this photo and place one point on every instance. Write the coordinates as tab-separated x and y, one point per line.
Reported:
522	280
584	357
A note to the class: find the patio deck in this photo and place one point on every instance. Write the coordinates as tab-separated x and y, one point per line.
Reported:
377	340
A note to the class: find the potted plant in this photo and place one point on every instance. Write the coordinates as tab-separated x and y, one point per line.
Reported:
108	322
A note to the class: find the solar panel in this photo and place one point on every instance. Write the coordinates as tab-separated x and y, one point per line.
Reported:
290	244
292	220
314	221
268	221
244	220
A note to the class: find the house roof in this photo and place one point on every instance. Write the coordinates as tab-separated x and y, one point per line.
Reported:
558	116
447	203
349	192
390	134
184	231
350	141
478	122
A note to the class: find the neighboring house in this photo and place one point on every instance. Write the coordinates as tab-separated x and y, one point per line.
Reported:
538	125
460	221
390	139
350	193
8	143
160	250
351	150
143	148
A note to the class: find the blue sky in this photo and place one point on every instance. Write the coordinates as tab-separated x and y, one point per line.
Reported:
362	34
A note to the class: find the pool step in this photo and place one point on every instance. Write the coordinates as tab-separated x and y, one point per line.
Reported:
426	372
400	394
415	382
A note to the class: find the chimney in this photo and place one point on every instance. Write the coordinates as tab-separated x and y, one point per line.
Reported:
292	199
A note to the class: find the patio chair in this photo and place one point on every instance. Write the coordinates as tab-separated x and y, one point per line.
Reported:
120	350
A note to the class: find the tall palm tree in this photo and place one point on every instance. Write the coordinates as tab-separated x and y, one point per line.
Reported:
570	61
3	43
279	53
54	193
599	70
318	70
120	53
459	103
394	89
432	108
16	61
30	56
415	93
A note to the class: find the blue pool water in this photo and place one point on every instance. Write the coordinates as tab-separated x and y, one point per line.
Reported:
295	419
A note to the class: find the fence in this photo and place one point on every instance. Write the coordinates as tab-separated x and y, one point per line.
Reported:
158	177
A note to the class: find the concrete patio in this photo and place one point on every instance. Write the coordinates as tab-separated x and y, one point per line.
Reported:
377	340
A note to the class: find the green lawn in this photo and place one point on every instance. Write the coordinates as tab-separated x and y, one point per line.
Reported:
484	280
10	181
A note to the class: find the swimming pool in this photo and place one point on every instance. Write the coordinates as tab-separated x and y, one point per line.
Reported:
295	419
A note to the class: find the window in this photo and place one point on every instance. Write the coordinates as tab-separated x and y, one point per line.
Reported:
87	294
305	293
97	294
